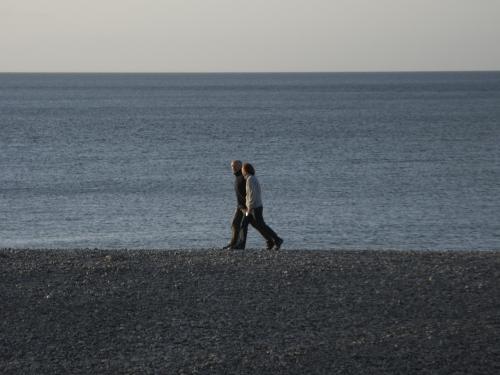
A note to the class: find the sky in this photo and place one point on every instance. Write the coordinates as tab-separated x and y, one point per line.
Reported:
248	35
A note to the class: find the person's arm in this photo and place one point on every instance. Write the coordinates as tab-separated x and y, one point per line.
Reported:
250	195
242	197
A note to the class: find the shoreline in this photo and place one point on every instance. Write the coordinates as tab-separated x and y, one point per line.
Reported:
247	250
287	312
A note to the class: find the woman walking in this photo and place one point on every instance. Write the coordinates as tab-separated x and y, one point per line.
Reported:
254	210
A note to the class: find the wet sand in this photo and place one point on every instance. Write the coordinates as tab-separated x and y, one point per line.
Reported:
251	312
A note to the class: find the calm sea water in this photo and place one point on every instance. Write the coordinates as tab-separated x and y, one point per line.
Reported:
365	161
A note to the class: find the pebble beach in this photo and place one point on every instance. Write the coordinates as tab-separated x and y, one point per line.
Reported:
249	312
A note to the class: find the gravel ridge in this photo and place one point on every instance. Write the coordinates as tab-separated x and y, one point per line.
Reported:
90	311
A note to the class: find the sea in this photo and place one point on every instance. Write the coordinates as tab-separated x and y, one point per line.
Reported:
364	161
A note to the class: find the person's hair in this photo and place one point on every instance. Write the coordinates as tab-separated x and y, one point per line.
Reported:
248	168
236	162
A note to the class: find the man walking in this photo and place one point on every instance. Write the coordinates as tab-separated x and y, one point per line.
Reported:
253	213
239	232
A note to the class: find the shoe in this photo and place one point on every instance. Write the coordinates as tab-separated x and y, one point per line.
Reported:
278	244
228	247
270	246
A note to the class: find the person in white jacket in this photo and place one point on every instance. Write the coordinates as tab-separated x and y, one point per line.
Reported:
254	208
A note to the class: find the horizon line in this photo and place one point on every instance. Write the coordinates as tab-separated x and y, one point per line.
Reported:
258	72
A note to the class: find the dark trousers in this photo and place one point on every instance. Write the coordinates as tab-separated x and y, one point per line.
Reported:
239	231
257	221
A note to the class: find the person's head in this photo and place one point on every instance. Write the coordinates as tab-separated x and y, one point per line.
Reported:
236	166
247	169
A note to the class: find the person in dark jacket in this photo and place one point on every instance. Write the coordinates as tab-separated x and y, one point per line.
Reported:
239	233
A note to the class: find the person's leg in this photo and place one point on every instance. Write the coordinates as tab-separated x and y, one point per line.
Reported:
266	232
242	234
235	228
250	219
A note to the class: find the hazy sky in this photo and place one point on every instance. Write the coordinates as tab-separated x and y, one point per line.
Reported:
248	35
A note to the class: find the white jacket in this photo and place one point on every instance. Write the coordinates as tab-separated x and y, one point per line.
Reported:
253	198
